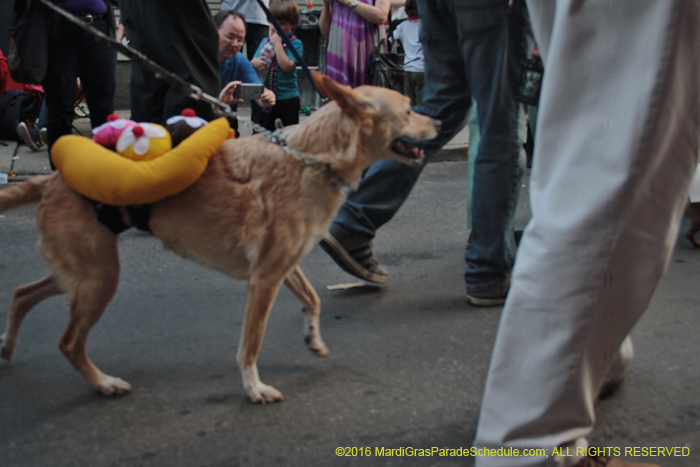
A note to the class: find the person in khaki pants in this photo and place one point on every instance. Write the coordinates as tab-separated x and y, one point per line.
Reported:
617	143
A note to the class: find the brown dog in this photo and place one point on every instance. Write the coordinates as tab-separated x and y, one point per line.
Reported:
254	214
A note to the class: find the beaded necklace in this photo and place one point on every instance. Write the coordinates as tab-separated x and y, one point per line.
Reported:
274	67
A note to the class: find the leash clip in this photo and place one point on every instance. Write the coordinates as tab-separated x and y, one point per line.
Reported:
278	138
223	110
195	92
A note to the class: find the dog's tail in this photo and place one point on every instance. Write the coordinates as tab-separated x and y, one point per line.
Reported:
23	193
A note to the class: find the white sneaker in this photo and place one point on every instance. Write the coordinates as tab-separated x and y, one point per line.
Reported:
30	136
617	371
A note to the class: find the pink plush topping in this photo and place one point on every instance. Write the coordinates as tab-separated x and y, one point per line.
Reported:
138	131
108	133
112	117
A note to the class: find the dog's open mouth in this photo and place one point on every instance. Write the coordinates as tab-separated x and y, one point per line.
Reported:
405	149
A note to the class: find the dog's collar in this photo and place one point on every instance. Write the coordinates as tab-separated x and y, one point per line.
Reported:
324	168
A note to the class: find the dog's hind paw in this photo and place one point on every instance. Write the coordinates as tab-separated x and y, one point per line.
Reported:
262	394
112	386
315	343
7	347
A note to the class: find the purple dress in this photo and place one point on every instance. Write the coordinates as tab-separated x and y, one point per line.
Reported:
349	45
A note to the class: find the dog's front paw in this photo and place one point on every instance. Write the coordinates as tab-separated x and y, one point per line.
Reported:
258	392
262	394
112	386
7	347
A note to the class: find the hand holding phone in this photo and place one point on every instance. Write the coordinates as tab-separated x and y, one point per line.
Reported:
248	91
226	94
236	92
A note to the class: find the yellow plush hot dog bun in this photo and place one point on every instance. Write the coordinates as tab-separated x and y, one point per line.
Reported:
105	176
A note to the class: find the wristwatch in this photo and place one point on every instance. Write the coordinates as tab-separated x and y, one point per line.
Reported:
353	4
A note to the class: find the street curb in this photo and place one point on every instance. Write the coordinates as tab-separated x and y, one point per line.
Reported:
452	153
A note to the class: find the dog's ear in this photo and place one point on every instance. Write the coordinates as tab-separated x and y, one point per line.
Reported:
349	101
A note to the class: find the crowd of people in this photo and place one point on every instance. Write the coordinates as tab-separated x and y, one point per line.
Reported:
185	45
635	140
202	50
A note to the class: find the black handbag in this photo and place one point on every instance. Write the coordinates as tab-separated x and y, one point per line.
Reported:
385	70
28	54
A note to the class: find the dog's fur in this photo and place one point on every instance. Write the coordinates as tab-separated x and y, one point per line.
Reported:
254	214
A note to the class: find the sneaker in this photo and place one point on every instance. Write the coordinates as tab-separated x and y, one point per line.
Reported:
601	461
610	388
30	136
616	375
354	256
490	295
44	136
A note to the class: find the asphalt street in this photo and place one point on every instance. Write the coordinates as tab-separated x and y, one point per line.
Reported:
407	366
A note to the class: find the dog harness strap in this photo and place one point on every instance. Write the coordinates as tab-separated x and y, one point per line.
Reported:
112	216
139	215
324	168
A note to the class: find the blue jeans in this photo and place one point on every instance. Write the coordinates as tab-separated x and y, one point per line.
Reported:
43	116
472	48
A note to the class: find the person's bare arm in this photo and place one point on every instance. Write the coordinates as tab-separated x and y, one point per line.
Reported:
324	22
285	63
121	33
377	13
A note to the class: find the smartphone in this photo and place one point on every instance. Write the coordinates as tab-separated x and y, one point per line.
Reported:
248	91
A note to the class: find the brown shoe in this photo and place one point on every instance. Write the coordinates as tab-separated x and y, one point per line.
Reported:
493	294
354	255
601	461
